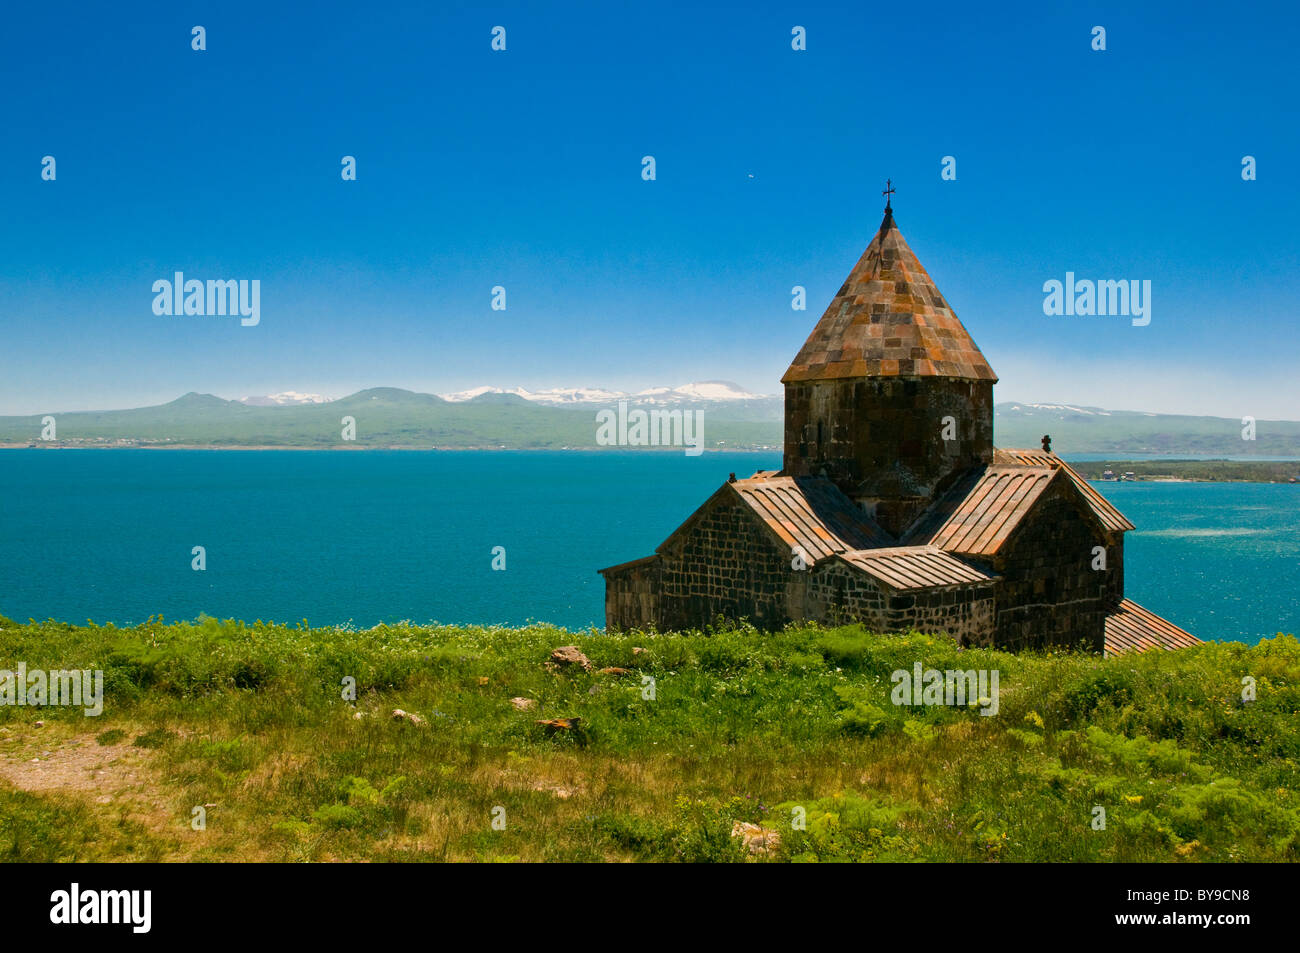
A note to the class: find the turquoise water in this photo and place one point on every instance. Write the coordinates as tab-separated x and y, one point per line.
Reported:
365	537
1220	559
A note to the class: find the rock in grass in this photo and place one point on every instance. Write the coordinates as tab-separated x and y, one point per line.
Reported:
757	840
523	704
569	655
408	716
552	725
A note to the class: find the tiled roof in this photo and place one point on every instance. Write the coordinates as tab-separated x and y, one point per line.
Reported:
1131	628
978	515
915	567
811	513
1110	517
643	561
889	320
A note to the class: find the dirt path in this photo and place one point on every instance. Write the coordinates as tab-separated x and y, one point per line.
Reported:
116	780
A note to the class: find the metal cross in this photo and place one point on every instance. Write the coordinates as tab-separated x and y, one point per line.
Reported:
889	190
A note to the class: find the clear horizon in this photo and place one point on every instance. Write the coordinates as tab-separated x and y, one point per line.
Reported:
523	169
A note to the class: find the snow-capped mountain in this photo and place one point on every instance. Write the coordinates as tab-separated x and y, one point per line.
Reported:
287	399
1029	409
714	390
1087	411
556	396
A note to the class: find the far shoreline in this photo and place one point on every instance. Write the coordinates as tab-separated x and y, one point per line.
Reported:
1165	469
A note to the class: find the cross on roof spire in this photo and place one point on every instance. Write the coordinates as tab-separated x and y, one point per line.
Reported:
889	191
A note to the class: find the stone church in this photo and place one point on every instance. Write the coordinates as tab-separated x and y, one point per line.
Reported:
893	508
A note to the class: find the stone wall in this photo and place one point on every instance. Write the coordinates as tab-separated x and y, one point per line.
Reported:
1114	569
839	593
632	595
727	564
880	439
1049	593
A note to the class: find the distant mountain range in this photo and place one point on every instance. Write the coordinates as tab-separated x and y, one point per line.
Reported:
289	398
558	396
655	396
495	418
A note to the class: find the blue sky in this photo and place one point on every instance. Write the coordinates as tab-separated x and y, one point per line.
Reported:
523	169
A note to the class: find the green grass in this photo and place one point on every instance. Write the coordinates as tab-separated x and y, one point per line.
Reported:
248	721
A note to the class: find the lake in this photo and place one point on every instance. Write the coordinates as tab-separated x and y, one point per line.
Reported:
364	537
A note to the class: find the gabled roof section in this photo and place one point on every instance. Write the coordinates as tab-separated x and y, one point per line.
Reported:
889	320
904	568
1131	628
1111	518
619	567
811	513
982	510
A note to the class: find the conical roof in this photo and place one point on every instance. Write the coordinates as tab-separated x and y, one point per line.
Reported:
888	320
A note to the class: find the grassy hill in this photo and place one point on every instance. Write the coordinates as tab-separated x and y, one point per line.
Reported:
248	722
1093	430
391	417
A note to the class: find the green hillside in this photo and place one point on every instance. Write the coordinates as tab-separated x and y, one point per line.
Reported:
1092	430
385	417
794	733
